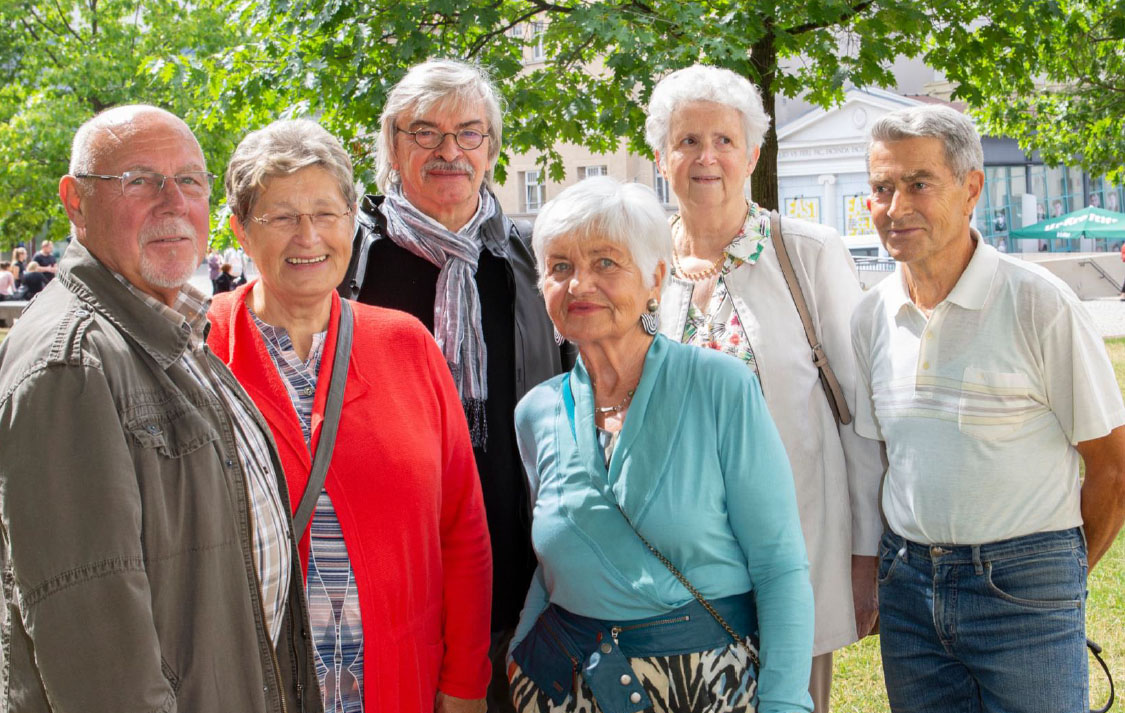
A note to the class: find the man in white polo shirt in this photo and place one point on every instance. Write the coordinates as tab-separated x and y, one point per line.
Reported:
986	380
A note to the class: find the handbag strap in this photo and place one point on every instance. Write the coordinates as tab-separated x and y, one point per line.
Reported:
695	593
331	423
828	381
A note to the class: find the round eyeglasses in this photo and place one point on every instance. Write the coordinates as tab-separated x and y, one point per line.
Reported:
467	139
149	184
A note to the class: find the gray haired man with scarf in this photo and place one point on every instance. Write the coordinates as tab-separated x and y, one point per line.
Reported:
436	244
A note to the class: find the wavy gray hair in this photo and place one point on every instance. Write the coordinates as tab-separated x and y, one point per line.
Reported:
957	133
628	214
437	82
701	82
280	149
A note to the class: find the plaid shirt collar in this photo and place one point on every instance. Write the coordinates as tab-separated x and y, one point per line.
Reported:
190	307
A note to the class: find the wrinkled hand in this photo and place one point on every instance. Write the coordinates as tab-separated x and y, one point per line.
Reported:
444	703
865	593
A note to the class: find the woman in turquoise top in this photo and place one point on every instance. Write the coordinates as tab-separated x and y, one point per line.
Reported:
678	441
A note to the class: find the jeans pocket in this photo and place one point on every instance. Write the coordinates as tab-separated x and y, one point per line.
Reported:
888	560
1048	580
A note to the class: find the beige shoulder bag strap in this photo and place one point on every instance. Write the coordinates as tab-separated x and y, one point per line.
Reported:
828	380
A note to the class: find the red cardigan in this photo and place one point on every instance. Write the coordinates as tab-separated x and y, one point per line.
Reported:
405	488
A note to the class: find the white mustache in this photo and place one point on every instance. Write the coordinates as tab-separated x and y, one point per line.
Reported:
169	228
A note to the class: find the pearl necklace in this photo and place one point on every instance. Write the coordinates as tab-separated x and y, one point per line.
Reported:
708	273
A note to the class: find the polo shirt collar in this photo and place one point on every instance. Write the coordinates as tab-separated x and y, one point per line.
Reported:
972	287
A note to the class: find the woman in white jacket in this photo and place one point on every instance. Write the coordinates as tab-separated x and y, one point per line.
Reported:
726	291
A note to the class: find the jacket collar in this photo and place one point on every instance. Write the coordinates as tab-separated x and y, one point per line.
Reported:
87	278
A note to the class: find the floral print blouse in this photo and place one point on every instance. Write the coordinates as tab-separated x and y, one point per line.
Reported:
719	327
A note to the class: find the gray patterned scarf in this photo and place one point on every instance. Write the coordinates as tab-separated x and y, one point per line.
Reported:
457	326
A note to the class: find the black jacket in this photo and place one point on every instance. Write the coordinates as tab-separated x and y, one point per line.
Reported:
384	274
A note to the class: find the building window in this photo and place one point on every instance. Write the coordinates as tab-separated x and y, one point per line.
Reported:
660	185
588	171
534	192
537	52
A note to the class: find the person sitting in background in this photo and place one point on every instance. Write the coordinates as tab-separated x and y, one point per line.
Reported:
225	282
33	282
664	513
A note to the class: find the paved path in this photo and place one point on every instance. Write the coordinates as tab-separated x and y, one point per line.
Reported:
1109	316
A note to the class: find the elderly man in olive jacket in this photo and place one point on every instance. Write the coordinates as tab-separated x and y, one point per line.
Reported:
147	555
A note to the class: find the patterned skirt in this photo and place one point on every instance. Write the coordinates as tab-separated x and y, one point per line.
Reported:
717	681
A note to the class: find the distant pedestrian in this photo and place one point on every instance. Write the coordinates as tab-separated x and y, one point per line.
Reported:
7	280
19	262
214	263
46	257
1123	260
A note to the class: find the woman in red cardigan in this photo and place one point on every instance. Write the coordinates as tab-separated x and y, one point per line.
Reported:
397	558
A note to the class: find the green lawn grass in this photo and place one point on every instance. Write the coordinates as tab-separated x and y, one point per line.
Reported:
857	685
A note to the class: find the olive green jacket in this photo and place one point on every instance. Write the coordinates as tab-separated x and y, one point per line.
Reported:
125	548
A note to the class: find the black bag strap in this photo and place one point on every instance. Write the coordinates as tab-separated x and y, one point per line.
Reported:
828	381
695	593
1097	652
331	422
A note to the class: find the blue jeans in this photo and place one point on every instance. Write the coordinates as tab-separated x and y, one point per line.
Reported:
996	628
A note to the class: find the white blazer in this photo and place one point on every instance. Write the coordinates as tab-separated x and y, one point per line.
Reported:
837	472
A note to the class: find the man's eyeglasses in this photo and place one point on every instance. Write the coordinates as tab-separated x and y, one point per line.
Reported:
149	184
467	139
284	222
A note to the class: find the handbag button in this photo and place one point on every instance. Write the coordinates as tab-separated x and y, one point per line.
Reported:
626	679
606	648
635	697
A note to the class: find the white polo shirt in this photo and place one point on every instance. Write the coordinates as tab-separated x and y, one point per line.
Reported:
980	405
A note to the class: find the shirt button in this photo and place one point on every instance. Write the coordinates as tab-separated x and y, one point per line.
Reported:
929	335
230	463
307	391
635	697
81	313
606	648
925	365
153	429
626	679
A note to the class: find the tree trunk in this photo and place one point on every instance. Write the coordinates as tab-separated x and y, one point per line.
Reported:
763	183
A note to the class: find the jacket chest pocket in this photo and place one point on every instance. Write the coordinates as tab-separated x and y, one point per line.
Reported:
186	497
173	434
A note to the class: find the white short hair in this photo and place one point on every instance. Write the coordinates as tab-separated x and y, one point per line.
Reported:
445	83
701	82
957	133
628	214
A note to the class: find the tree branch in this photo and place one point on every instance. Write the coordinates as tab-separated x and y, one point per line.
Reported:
488	36
44	45
65	23
852	12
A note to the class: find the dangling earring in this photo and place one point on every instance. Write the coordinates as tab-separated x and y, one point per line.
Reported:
558	337
649	320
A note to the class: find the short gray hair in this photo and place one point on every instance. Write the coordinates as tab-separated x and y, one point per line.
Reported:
703	83
280	149
628	214
86	151
437	82
958	135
